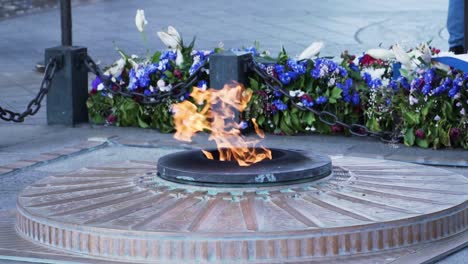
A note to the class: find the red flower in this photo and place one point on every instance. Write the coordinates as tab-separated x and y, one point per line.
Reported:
420	134
337	129
368	60
93	92
178	74
455	134
111	119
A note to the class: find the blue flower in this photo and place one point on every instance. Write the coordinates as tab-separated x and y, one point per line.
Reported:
393	85
353	67
279	69
299	68
95	83
426	89
285	78
202	84
280	105
168	55
356	99
321	100
307	103
195	66
147	92
452	92
429	76
375	84
133	81
342	71
404	82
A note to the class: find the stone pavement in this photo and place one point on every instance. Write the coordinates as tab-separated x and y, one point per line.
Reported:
353	25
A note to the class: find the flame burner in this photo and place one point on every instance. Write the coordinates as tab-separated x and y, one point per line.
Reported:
286	167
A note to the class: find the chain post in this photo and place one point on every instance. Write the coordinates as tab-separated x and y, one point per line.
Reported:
66	99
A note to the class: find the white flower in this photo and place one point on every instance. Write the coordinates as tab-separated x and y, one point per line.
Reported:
171	38
180	58
383	54
426	53
402	56
166	88
459	104
116	69
161	83
437	118
331	82
311	51
140	20
100	87
174	33
413	100
462	112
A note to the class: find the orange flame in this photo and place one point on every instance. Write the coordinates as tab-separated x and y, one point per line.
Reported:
215	110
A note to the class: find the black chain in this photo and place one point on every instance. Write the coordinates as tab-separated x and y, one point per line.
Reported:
115	88
35	104
326	117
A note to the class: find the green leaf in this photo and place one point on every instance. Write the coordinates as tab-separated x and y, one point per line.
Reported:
142	123
425	109
253	84
285	128
409	137
309	118
276	119
169	74
412	118
296	124
336	93
423	143
261	120
156	56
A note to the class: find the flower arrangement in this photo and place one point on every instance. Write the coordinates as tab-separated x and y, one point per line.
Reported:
385	89
157	74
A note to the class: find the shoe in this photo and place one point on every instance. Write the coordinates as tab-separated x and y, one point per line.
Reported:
457	49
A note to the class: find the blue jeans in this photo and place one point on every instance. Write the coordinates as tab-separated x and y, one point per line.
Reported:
455	22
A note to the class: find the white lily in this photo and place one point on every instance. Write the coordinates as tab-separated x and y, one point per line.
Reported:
140	20
426	53
402	56
382	54
117	68
174	33
180	58
171	38
311	51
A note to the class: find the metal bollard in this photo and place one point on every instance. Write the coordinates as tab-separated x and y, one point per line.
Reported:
66	99
227	67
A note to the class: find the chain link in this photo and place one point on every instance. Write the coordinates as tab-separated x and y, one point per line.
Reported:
35	104
324	116
115	88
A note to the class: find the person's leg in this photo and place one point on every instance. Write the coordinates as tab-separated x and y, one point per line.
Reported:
455	25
